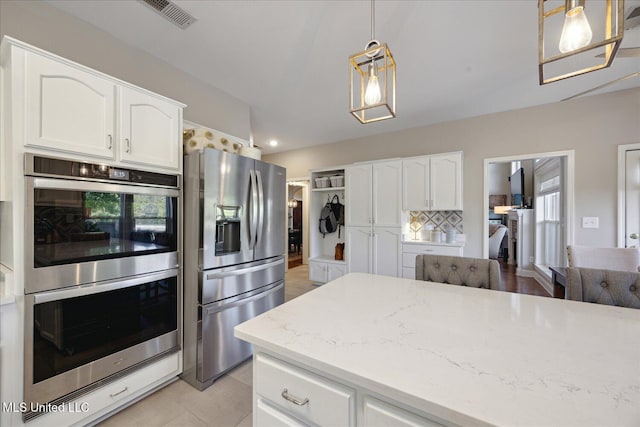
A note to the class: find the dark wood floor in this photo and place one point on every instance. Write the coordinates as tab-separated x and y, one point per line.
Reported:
518	284
295	258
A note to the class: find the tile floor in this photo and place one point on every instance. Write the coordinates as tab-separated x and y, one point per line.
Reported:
226	403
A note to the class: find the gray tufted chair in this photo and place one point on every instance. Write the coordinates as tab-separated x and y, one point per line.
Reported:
611	287
474	272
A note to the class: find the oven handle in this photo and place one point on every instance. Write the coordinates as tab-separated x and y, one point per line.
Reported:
66	184
244	270
94	288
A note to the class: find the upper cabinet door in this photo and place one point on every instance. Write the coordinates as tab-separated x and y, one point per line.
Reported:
446	182
150	131
387	189
68	109
358	196
415	188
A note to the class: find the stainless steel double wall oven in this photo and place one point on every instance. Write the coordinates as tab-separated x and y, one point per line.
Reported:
102	287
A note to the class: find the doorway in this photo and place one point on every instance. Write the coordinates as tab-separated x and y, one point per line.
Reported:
531	197
297	211
628	196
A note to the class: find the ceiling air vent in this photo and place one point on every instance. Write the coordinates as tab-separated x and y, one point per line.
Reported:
633	19
171	12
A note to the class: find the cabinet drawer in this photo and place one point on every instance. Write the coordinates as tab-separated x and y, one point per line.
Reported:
409	252
378	413
328	403
267	415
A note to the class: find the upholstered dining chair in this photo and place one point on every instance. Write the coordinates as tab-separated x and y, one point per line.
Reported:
473	272
622	259
611	287
497	233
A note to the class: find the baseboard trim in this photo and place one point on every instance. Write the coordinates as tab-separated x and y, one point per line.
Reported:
524	273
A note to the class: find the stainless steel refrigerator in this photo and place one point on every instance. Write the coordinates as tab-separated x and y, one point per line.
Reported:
234	243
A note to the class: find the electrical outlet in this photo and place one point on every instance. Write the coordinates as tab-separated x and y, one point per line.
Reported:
590	222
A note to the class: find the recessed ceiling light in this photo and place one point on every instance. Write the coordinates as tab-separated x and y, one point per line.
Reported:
273	143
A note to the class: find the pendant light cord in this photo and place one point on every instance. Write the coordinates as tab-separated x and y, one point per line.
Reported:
373	21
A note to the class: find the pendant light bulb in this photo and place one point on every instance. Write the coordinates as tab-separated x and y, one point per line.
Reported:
576	31
372	94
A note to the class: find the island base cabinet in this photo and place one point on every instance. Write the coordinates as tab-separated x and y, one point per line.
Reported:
376	413
267	415
300	394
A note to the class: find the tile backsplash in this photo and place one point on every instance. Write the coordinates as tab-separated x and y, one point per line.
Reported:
441	220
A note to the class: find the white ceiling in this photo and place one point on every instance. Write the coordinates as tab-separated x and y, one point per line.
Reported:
288	59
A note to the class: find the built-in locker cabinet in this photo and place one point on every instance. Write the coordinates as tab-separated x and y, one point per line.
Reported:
67	109
150	130
327	185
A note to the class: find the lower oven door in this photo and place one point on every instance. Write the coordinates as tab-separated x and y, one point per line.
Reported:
218	349
79	336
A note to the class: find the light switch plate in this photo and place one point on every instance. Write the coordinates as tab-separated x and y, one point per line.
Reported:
590	222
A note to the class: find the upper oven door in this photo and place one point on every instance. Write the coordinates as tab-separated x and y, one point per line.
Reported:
82	231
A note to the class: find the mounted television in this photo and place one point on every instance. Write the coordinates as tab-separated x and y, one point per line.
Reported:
517	187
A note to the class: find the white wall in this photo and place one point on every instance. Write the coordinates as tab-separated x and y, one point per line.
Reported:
499	178
48	28
592	126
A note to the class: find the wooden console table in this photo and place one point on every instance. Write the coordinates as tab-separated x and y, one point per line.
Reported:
559	280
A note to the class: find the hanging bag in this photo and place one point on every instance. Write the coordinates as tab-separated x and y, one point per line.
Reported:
338	211
328	221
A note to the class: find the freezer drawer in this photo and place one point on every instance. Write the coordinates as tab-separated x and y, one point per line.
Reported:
218	284
218	349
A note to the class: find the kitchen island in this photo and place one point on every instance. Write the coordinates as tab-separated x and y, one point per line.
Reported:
367	350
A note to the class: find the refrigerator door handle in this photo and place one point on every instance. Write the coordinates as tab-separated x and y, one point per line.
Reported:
253	210
261	202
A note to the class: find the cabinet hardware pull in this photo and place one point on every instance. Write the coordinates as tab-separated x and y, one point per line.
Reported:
285	394
428	250
118	393
110	142
128	145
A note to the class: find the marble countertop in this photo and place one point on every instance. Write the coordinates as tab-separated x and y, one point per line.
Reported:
465	355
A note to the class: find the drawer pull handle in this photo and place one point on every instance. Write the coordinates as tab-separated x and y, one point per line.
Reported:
118	393
292	399
428	250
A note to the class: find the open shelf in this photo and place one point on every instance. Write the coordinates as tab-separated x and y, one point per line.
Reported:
328	189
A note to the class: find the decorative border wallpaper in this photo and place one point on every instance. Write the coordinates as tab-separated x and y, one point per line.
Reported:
441	220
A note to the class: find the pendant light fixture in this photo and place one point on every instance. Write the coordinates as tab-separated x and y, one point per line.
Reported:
577	50
372	80
292	203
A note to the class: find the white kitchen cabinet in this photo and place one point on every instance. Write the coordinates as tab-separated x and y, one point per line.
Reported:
386	251
386	193
150	131
358	249
376	413
358	180
68	109
267	415
411	250
299	393
432	183
291	395
373	194
325	270
374	250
